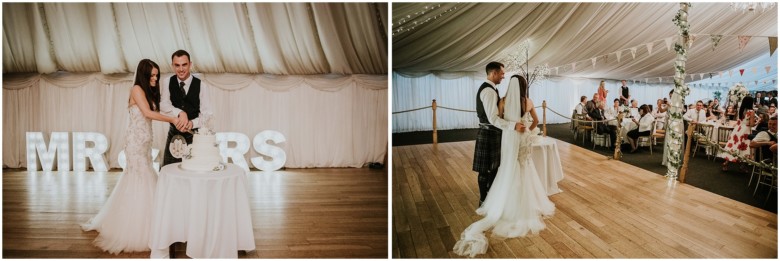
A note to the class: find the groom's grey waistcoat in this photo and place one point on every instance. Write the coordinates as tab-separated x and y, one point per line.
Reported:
481	114
189	103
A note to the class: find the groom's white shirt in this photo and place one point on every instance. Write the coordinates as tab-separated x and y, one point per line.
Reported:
490	104
167	108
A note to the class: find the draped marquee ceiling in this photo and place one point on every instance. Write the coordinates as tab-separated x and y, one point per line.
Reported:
252	38
466	36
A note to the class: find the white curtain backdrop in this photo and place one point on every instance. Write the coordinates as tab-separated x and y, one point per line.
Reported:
250	38
458	90
328	121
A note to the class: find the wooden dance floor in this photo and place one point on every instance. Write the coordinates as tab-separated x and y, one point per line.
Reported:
608	209
300	213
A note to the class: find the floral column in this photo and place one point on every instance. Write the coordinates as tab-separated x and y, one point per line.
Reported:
675	131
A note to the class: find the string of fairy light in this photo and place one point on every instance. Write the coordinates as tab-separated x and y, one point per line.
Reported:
412	21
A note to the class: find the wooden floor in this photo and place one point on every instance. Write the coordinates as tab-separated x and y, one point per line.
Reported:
608	209
326	213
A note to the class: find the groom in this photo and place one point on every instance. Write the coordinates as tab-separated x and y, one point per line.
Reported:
186	97
487	151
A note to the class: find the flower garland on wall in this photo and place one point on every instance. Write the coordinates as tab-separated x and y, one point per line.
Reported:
674	137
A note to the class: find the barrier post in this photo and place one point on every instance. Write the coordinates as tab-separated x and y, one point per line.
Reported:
544	118
435	136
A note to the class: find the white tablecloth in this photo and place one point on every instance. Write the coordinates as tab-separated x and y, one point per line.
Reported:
626	126
714	134
208	210
548	164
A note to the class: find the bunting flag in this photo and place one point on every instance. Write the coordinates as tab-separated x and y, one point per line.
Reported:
691	38
617	54
659	79
768	68
754	69
633	52
715	40
593	60
668	42
701	76
756	83
743	40
741	72
645	80
605	58
556	70
772	45
649	48
720	74
729	73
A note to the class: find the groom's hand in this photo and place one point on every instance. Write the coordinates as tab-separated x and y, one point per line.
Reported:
182	121
519	127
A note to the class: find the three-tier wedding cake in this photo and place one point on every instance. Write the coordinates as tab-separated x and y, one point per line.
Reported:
204	150
204	153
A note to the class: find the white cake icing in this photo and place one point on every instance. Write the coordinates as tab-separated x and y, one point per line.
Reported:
204	154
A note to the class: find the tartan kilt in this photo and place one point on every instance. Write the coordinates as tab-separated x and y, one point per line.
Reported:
487	150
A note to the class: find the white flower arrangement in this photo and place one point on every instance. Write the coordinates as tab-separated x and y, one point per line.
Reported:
737	93
624	109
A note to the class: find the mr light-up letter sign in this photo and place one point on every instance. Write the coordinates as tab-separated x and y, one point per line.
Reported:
58	144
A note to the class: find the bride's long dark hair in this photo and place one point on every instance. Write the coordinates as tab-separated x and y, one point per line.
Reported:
523	92
142	76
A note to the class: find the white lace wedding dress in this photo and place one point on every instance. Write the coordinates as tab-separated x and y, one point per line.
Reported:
124	222
517	201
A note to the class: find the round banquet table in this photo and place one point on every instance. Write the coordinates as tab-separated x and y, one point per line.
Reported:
208	210
548	164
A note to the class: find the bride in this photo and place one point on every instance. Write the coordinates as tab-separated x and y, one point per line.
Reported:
517	201
124	222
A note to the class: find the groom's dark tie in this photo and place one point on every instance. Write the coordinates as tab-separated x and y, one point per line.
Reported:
181	86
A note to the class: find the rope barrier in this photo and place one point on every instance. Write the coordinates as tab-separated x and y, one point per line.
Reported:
439	106
412	110
716	146
462	110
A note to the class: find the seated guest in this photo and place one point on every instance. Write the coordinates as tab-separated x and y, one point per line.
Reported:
772	111
660	111
696	115
771	99
731	113
591	105
602	127
715	106
763	123
580	108
634	110
612	112
711	116
766	139
645	126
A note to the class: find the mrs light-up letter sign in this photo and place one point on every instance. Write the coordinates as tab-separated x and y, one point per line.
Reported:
58	144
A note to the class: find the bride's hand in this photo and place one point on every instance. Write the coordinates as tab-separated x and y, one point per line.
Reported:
519	127
501	104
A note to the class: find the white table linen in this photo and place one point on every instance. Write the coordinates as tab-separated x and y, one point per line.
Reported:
548	164
208	210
